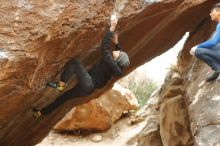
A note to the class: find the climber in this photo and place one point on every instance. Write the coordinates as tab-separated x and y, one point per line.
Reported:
209	51
110	64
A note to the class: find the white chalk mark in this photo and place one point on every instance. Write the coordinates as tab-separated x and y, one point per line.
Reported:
152	1
3	55
216	98
25	4
114	16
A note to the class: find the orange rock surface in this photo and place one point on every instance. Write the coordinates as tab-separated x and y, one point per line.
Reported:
38	37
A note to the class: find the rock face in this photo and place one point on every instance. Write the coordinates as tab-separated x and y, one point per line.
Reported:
38	37
174	122
204	107
168	122
99	114
150	135
187	110
202	98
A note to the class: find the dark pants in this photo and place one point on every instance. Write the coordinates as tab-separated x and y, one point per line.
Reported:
210	56
83	88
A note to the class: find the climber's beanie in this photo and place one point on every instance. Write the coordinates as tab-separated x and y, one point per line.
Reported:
123	59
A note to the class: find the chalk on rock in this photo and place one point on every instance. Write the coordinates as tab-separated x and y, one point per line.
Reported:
113	17
97	138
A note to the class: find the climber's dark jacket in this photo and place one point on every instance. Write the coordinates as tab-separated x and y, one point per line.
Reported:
107	67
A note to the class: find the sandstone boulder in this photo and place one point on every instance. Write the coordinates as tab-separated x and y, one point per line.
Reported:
99	114
150	135
188	108
39	36
204	108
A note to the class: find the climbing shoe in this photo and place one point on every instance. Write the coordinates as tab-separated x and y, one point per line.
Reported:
213	76
36	113
57	85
